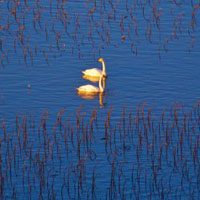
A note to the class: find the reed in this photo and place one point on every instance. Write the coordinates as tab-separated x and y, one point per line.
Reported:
59	24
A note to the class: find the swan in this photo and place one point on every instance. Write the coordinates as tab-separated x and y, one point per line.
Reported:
94	72
85	89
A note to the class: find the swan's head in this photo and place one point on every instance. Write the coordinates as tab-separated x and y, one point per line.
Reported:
100	60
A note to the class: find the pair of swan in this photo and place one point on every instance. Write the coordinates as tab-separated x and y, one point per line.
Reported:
93	74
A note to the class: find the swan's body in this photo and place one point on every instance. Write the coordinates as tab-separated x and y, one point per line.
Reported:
96	72
91	88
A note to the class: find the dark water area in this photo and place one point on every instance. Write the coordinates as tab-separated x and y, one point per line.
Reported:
148	117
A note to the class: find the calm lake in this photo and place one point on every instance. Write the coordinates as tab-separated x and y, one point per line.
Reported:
151	50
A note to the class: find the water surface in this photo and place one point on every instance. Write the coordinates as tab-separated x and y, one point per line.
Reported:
151	51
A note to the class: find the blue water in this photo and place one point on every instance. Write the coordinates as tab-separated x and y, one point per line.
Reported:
132	78
159	74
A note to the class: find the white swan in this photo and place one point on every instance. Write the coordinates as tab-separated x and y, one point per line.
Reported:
96	72
91	88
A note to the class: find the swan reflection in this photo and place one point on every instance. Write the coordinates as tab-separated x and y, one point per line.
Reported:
92	96
91	78
95	79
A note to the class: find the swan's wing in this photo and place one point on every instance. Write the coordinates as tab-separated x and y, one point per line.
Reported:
92	72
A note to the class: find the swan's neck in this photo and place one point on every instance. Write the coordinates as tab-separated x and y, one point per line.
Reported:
100	86
104	68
